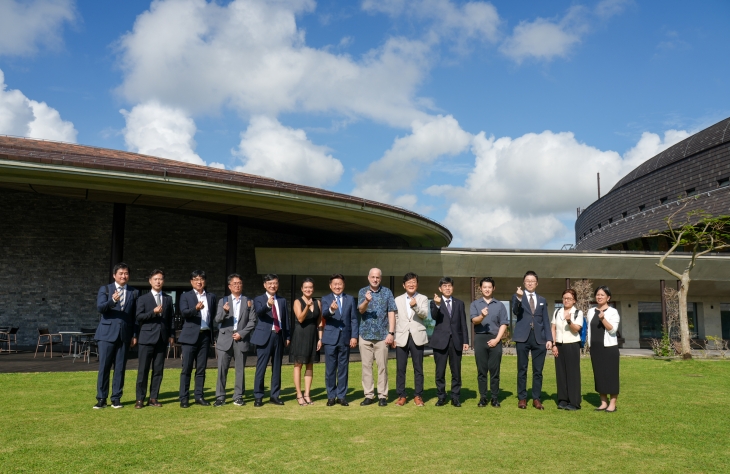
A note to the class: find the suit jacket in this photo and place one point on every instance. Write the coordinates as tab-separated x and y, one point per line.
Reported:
151	326
265	319
541	319
192	318
342	326
449	325
116	322
414	326
246	324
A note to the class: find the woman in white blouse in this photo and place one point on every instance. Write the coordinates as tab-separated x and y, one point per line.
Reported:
603	322
566	325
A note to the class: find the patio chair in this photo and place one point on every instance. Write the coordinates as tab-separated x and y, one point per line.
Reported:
174	346
88	344
46	339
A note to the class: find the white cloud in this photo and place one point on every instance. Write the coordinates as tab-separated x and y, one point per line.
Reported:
401	166
26	25
24	117
609	8
163	131
270	149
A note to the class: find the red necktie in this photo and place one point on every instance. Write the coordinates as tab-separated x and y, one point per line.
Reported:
277	328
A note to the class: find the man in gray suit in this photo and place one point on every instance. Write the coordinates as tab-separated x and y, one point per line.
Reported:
237	318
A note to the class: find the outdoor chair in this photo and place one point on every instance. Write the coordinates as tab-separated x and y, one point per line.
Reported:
174	346
88	344
46	339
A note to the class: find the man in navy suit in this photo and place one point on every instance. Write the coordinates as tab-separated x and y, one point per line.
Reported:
533	335
117	304
270	337
154	320
340	335
449	339
197	308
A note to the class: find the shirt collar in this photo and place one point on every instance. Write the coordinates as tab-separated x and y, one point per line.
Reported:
155	293
120	287
202	293
233	298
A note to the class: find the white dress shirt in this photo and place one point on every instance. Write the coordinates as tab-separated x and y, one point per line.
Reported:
278	311
204	316
563	334
235	307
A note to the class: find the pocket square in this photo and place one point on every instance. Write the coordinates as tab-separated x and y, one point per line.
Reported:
540	304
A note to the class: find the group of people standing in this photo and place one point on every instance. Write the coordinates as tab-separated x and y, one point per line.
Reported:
375	321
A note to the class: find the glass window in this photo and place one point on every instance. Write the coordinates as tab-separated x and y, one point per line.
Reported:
725	319
650	319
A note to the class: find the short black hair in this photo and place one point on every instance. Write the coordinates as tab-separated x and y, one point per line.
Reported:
410	276
528	273
487	280
156	271
605	290
270	276
337	276
308	280
232	276
119	266
446	281
197	273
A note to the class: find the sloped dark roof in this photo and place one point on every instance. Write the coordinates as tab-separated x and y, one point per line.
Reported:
710	137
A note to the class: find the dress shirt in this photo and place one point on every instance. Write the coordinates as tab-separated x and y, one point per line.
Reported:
122	292
374	323
411	311
563	334
529	295
236	310
496	316
447	302
278	311
204	316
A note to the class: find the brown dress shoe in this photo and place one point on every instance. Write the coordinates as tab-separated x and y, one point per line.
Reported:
537	404
419	402
401	401
154	403
522	404
139	404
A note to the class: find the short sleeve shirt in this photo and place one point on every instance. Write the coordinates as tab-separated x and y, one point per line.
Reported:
496	317
374	321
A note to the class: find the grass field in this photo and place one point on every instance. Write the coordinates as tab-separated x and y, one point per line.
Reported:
673	416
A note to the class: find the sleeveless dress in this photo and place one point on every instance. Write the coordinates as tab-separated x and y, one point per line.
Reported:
303	349
605	360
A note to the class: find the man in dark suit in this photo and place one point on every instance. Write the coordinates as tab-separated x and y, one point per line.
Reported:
117	304
197	308
533	336
449	340
340	335
154	320
270	337
237	318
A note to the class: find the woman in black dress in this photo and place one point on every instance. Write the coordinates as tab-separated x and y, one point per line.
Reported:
603	322
306	339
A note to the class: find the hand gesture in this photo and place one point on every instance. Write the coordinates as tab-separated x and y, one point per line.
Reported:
600	314
116	296
226	307
249	303
333	306
413	302
236	336
158	309
271	302
368	296
485	312
437	299
519	292
200	305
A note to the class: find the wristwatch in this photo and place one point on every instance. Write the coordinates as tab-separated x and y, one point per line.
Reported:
391	333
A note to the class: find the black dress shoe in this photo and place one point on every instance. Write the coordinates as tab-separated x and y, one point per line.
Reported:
482	402
99	405
495	403
202	401
343	402
562	405
184	403
331	402
455	402
258	403
382	402
440	402
276	401
570	407
366	402
219	403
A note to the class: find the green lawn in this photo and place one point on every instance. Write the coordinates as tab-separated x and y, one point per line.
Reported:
672	417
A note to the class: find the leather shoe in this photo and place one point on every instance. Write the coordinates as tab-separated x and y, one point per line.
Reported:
184	403
455	402
419	402
570	407
562	405
258	402
202	401
537	404
482	402
383	402
139	404
154	403
495	403
343	402
331	402
440	402
522	404
401	401
366	402
276	401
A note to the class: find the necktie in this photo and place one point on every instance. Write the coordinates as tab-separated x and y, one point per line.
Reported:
236	302
339	304
275	312
157	299
121	298
532	304
448	306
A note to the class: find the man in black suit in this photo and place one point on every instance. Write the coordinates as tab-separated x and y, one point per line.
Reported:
533	336
270	337
449	340
117	304
197	308
154	320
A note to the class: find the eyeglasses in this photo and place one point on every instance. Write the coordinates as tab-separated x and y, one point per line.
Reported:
235	283
568	298
198	280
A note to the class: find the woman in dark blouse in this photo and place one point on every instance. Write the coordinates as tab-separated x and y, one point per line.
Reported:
603	321
306	339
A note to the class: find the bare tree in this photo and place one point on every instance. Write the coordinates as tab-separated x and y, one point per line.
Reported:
584	291
699	233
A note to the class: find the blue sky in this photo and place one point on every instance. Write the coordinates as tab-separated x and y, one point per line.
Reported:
490	117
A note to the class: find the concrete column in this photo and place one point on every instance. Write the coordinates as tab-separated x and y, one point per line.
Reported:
629	312
231	248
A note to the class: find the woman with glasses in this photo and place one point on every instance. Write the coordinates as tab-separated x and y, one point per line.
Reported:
566	325
603	321
306	339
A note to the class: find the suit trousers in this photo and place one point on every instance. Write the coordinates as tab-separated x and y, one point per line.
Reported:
150	355
401	358
538	351
111	354
194	354
567	373
453	357
337	362
224	362
378	351
272	350
489	362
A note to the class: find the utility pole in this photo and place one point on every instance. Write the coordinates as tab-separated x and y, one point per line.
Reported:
598	178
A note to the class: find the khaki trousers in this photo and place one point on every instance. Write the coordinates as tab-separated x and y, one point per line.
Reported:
378	351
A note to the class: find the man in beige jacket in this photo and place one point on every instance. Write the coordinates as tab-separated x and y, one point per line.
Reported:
410	337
